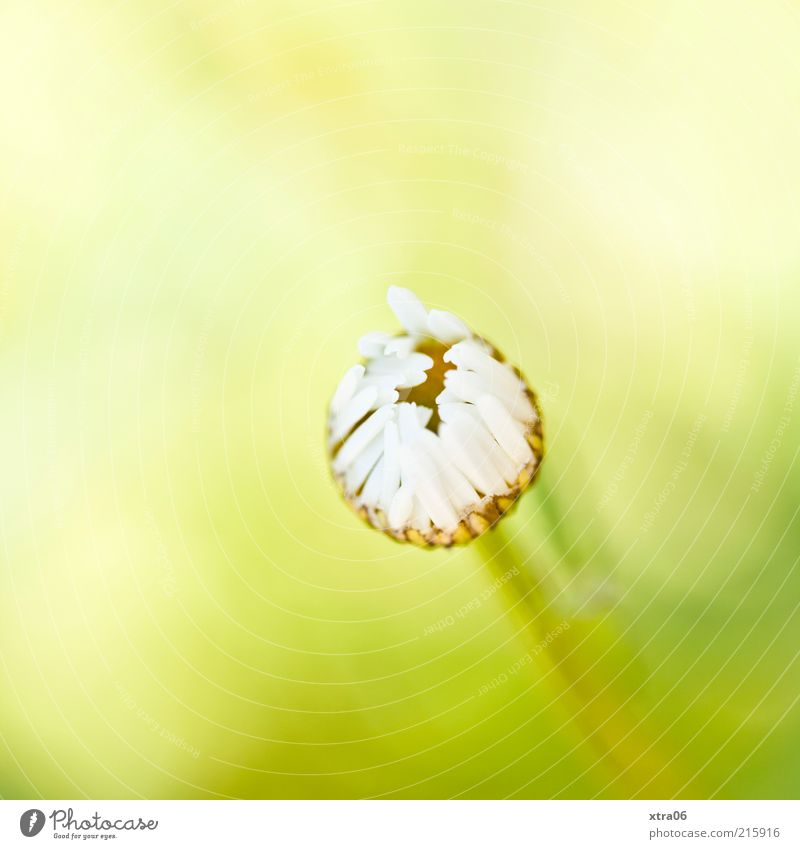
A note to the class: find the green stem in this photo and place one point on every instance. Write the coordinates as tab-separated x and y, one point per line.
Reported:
581	660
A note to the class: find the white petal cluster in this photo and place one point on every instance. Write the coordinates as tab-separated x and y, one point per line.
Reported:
439	485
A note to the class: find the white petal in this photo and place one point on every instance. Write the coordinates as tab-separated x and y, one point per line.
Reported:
446	327
382	381
346	388
445	397
465	385
408	422
469	356
485	480
414	379
424	415
401	507
504	429
390	365
500	460
372	488
460	492
486	454
409	310
400	346
519	406
391	465
386	384
406	371
362	436
387	396
428	485
469	386
420	519
353	412
358	470
373	344
450	410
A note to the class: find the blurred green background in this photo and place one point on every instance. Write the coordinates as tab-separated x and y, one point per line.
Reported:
202	205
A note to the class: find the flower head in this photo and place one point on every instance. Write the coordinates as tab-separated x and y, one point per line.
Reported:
433	437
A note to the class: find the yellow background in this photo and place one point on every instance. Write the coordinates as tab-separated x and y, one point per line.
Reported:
201	207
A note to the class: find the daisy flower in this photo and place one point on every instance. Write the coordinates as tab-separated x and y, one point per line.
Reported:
433	436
